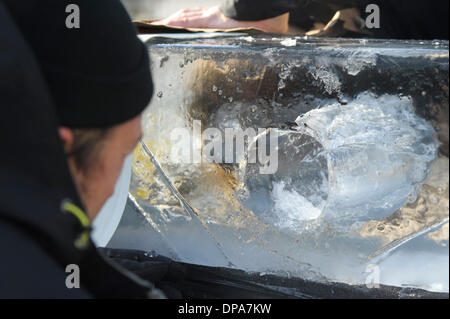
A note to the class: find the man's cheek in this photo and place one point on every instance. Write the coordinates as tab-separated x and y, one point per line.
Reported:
114	173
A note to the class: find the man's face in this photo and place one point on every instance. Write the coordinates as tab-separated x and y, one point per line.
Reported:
96	182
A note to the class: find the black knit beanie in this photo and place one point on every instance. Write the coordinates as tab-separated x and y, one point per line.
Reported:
98	74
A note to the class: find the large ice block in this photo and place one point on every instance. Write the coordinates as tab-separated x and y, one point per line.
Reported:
359	137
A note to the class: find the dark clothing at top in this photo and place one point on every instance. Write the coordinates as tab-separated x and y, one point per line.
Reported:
399	19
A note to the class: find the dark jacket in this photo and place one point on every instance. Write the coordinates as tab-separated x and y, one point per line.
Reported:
37	238
400	19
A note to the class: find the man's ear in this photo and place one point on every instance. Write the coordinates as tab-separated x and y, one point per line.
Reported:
66	136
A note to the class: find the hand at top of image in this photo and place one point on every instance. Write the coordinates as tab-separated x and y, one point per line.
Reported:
213	18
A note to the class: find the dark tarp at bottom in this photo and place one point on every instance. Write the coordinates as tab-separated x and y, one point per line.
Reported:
187	281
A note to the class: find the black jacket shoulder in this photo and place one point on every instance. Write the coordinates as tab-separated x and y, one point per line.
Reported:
27	271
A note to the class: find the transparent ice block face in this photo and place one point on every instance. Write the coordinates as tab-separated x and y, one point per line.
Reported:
358	175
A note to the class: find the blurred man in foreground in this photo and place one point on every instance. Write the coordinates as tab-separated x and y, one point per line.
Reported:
71	100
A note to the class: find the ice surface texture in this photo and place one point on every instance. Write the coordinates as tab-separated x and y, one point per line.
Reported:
378	151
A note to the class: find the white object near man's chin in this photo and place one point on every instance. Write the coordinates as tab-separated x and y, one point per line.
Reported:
106	222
